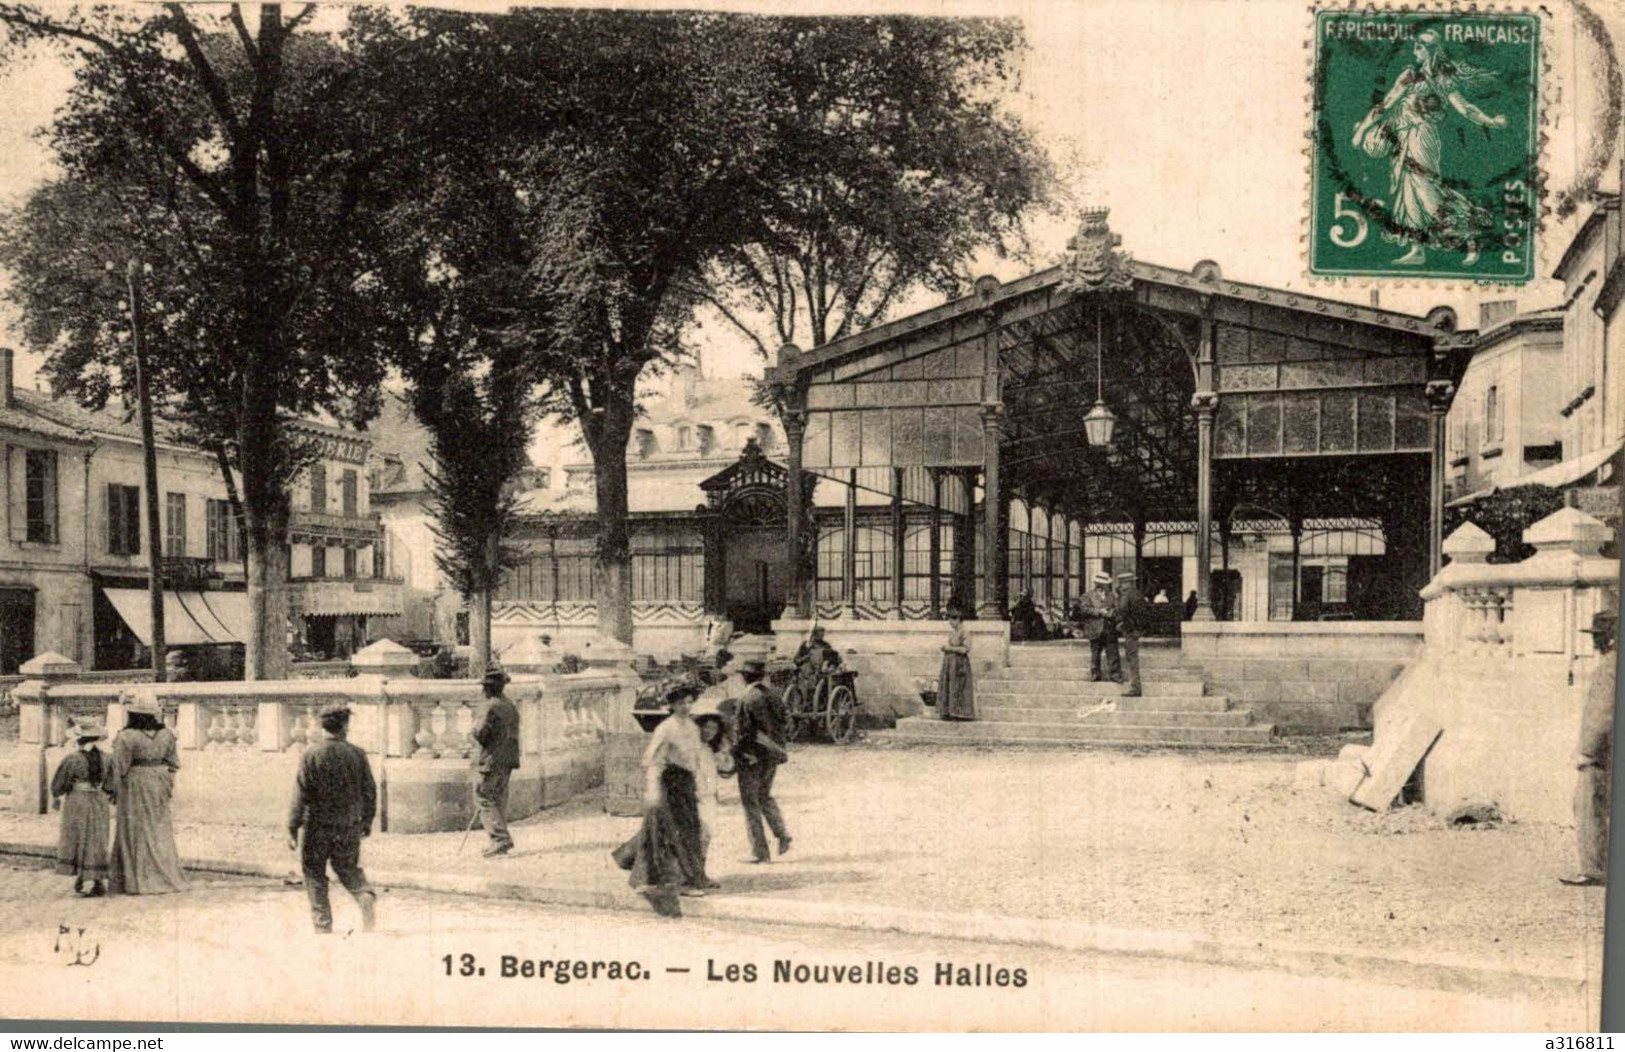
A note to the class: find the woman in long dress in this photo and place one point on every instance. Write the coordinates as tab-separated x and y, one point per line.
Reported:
76	788
1406	126
142	780
666	857
956	695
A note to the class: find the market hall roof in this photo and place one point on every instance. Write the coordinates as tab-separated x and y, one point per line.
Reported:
1295	376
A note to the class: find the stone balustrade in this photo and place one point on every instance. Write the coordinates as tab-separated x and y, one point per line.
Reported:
1504	667
417	732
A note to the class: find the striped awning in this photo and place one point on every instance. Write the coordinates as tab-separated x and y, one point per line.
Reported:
190	618
349	598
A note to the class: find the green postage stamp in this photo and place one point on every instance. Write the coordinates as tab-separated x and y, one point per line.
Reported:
1425	145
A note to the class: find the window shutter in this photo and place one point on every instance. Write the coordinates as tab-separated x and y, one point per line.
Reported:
132	520
52	481
113	519
17	492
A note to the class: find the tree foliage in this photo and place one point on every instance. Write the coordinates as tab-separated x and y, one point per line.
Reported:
1504	515
898	163
225	148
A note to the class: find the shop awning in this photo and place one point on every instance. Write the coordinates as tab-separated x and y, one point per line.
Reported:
1557	476
350	598
190	618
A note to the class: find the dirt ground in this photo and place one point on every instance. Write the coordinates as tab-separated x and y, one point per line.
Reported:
1207	843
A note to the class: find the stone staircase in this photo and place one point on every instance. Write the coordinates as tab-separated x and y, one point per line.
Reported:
1044	696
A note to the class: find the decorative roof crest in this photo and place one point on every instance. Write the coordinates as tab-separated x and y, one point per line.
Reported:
1092	262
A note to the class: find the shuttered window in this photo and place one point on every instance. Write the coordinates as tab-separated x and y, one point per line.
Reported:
318	487
123	519
175	524
41	495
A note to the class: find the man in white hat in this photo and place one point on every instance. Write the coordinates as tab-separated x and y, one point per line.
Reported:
1099	627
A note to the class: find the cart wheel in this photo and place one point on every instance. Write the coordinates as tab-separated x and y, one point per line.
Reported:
842	718
795	707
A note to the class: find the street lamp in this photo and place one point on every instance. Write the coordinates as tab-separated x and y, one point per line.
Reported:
1099	422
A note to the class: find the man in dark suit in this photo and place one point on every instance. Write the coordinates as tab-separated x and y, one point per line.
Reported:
758	755
334	801
1594	790
1133	618
497	735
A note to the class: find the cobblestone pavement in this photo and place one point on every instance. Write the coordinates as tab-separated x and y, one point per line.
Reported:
233	950
1217	845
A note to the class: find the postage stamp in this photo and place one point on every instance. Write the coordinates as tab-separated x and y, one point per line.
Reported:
1425	145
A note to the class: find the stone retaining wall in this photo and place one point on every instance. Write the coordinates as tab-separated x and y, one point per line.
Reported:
1305	677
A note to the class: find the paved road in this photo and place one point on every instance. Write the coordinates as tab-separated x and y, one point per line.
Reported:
241	950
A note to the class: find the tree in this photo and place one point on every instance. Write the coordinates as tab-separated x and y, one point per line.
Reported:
641	149
231	157
898	165
1504	515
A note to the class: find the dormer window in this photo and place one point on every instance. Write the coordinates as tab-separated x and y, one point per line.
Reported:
742	432
707	438
645	441
685	438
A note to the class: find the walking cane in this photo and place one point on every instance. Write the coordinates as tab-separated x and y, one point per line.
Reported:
461	843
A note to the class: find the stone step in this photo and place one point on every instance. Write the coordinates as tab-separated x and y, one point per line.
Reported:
1141	718
1040	656
1083	688
980	732
1082	677
1078	703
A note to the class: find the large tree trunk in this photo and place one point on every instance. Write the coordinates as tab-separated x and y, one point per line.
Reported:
613	561
267	656
479	633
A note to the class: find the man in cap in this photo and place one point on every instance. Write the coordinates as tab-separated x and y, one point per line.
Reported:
1099	626
497	735
1132	619
758	754
334	801
1594	789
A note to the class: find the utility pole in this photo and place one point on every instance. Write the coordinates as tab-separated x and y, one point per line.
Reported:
155	561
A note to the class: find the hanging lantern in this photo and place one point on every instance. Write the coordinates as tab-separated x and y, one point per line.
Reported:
1098	425
1099	422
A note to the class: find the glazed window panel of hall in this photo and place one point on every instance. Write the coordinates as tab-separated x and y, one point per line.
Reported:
225	532
664	570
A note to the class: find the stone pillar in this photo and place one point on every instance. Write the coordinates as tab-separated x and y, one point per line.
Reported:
964	590
1205	404
849	558
935	551
991	606
795	429
899	526
1439	395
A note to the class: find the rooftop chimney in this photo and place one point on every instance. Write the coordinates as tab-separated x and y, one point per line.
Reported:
6	357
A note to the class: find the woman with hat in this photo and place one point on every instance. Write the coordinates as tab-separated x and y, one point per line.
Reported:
956	695
716	763
76	789
666	857
142	780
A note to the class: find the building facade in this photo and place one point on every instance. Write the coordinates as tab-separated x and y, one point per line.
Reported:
75	558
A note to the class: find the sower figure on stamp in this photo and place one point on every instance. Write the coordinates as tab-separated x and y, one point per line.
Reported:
759	753
1100	629
334	801
1132	618
497	735
1593	791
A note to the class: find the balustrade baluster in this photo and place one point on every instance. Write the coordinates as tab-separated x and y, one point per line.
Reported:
422	733
441	720
248	725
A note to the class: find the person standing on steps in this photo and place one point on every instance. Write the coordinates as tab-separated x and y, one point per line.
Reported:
956	692
1099	626
759	753
334	801
1594	789
1133	617
497	735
